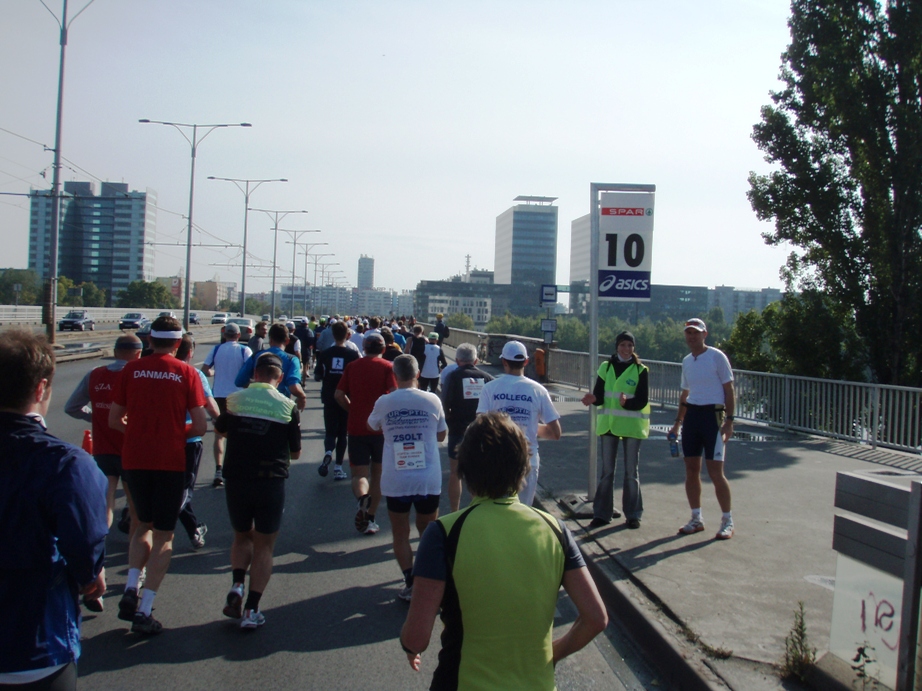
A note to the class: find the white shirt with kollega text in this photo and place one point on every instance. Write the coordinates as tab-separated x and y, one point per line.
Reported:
703	377
525	401
410	420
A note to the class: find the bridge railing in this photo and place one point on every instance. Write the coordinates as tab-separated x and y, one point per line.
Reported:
873	414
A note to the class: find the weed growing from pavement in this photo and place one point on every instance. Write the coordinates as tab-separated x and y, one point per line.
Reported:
798	655
715	652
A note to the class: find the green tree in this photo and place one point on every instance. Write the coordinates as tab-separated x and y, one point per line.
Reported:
64	286
846	134
144	294
459	320
31	293
93	296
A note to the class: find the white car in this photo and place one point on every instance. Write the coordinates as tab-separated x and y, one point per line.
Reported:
219	318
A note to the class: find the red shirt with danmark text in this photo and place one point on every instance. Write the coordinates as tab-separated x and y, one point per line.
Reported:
157	391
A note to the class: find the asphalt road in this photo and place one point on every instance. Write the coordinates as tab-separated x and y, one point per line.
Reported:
332	617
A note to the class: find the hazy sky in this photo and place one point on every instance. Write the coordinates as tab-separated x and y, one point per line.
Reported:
405	127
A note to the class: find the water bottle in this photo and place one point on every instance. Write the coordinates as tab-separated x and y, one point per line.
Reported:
673	444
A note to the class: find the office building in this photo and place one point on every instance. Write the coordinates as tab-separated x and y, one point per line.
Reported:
366	276
213	293
106	238
580	232
734	301
526	244
382	303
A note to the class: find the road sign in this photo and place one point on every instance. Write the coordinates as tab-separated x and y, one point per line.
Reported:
625	246
548	295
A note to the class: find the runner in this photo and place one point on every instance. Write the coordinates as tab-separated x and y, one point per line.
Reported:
363	383
411	476
329	370
263	435
149	404
527	403
433	362
291	367
224	362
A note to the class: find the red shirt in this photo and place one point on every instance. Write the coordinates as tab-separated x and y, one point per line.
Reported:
106	441
157	391
364	381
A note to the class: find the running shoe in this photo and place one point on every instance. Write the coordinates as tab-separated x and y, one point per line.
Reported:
726	529
339	473
198	537
695	525
252	618
128	605
372	528
361	516
325	464
234	606
218	478
145	624
406	593
633	523
93	605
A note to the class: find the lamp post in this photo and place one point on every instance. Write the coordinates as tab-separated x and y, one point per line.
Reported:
277	216
193	142
308	246
50	299
323	286
294	256
246	214
316	258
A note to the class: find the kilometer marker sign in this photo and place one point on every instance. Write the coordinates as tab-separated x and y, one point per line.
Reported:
625	246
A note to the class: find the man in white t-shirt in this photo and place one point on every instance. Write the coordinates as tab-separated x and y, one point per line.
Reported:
527	403
705	416
411	474
224	362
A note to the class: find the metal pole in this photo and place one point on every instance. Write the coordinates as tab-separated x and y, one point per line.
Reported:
187	289
243	278
275	251
593	333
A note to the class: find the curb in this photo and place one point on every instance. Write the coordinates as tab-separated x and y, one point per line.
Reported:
677	669
89	355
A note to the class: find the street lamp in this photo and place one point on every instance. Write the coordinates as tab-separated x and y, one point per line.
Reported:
246	214
50	299
193	142
308	246
294	256
277	216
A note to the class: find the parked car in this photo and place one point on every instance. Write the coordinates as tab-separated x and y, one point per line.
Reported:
193	318
77	320
283	318
219	318
132	320
246	328
267	318
167	314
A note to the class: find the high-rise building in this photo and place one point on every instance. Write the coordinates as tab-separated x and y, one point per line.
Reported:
526	243
106	238
580	232
366	278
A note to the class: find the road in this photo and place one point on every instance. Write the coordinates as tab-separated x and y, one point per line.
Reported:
331	609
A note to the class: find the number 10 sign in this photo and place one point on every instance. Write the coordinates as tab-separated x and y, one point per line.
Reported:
625	245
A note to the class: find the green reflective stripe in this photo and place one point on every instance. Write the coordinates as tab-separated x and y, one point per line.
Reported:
621	412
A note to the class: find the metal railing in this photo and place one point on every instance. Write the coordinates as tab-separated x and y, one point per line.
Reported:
873	414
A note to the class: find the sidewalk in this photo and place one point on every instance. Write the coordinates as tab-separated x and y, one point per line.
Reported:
715	614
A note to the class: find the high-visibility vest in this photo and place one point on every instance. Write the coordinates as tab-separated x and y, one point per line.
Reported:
612	417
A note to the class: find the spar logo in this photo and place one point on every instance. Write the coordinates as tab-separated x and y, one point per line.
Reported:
626	211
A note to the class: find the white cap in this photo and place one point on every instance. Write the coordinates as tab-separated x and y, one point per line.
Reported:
515	351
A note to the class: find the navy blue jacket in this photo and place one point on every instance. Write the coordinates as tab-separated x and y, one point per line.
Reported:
53	529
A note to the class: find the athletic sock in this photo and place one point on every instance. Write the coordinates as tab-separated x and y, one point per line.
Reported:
408	577
728	515
147	601
239	575
134	576
696	513
253	601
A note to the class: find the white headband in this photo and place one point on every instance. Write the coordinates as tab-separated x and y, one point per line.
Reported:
174	335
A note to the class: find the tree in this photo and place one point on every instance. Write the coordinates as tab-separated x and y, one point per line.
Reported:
93	296
846	133
153	295
31	293
460	320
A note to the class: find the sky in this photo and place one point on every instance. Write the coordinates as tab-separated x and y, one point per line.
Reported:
404	127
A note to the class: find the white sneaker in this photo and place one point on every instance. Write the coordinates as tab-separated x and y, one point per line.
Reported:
695	525
372	528
406	593
726	529
234	606
339	473
252	618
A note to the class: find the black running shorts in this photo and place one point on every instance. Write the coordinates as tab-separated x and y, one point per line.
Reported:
423	503
701	432
365	449
109	464
157	496
255	504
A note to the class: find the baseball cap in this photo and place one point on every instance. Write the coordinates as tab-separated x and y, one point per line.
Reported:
374	337
232	328
696	324
514	351
434	336
267	359
304	320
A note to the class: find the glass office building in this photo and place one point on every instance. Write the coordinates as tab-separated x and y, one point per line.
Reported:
106	238
526	243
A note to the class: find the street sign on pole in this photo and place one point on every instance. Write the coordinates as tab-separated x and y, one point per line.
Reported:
548	295
625	245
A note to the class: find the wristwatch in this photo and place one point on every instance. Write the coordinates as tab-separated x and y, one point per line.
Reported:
729	417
